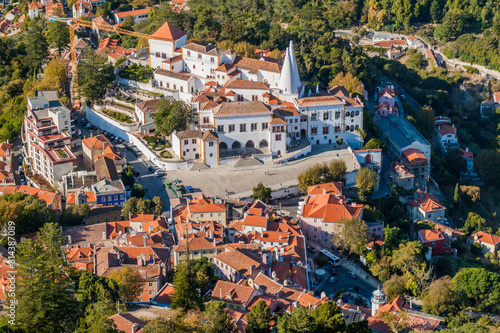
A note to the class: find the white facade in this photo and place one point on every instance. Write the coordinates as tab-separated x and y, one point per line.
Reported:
137	15
160	50
238	132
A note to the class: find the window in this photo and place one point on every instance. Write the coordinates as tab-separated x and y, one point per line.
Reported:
253	127
219	215
325	129
243	127
182	89
347	114
175	87
314	130
325	115
315	229
187	150
211	144
194	149
314	116
150	284
231	128
116	197
220	128
265	126
103	199
183	153
164	56
433	244
212	59
296	120
186	142
157	54
151	292
278	137
194	66
193	141
168	85
357	113
189	53
206	120
255	98
211	155
347	128
199	55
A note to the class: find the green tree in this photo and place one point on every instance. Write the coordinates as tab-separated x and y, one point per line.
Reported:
138	191
172	116
158	202
329	318
474	223
74	215
217	319
96	318
438	300
314	175
478	289
353	235
129	283
177	323
259	318
130	207
58	35
128	175
350	82
145	206
487	164
262	193
442	33
374	144
338	170
392	237
455	163
435	11
186	296
443	266
299	321
394	287
36	47
397	322
456	196
93	288
41	279
94	75
366	181
408	256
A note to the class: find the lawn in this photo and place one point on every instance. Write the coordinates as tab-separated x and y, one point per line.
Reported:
118	116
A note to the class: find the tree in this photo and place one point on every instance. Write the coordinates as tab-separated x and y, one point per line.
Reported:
443	266
487	164
350	82
435	11
41	279
93	288
299	321
138	191
474	223
129	207
439	298
259	318
374	144
36	47
54	77
366	181
442	32
392	237
478	289
74	215
94	75
394	287
128	175
96	318
129	283
328	318
338	170
145	206
158	203
262	193
456	196
172	116
185	296
217	319
178	323
397	322
408	256
353	235
28	212
455	163
317	174
58	35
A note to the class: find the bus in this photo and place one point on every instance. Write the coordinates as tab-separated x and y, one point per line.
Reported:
333	259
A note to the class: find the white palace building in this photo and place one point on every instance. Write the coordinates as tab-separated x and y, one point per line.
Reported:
243	103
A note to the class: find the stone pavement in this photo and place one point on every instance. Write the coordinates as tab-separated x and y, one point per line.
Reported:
239	182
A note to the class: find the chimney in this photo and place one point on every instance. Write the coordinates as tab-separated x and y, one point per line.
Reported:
466	149
104	235
69	239
324	190
285	283
476	237
357	309
139	261
135	328
252	270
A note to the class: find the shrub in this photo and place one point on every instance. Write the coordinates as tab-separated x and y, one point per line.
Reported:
165	154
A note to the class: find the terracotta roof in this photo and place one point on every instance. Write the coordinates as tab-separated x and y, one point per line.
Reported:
188	134
255	220
231	109
332	187
195	244
266	284
233	293
127	323
387	91
414	155
165	295
431	55
277	121
329	208
467	154
411	38
174	75
238	261
245	84
426	235
210	49
167	32
389	43
5	149
132	12
402	171
379	242
286	111
339	91
209	136
44	195
101	21
224	67
71	198
447	129
426	201
255	65
96	142
173	60
486	238
148	106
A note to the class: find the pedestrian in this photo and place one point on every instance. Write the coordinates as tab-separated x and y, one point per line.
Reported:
199	169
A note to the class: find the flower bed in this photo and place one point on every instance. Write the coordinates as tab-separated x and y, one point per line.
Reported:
165	154
118	116
158	148
61	153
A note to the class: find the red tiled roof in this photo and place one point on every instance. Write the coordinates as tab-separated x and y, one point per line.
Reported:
233	293
389	43
167	32
332	187
96	142
426	235
127	323
414	155
447	129
255	220
254	65
238	261
486	238
133	12
71	198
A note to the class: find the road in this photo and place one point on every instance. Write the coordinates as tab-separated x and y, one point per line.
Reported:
413	103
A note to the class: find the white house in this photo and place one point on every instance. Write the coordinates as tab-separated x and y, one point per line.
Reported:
196	145
414	42
138	15
34	9
182	83
163	44
425	206
81	8
489	242
143	114
447	136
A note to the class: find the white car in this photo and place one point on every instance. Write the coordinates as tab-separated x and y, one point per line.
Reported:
159	173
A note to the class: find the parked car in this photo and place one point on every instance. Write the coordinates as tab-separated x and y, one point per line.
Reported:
158	173
332	279
151	169
353	275
334	271
182	188
189	189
